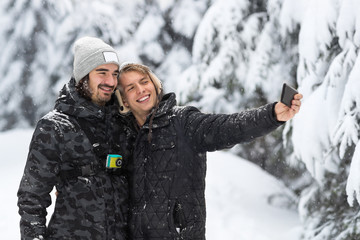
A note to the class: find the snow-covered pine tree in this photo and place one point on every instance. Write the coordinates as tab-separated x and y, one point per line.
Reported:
242	52
28	74
164	39
38	40
240	60
326	132
37	36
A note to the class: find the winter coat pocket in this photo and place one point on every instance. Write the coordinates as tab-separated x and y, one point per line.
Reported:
177	218
163	143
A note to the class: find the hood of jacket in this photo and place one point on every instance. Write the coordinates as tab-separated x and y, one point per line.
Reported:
72	103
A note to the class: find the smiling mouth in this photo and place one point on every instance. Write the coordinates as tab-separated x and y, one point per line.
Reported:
143	99
106	88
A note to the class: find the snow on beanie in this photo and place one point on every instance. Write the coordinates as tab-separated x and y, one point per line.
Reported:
89	53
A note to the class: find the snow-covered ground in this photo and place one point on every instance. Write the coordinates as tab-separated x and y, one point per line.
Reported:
237	191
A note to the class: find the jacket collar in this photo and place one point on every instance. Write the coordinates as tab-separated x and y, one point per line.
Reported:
162	115
167	102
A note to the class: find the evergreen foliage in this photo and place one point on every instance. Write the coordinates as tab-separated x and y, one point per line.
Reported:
223	57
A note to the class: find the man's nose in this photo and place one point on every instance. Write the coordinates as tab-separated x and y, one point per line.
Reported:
140	88
110	80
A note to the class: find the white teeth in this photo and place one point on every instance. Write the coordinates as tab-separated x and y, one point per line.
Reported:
106	88
143	99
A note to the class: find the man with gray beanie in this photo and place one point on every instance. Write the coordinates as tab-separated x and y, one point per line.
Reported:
77	149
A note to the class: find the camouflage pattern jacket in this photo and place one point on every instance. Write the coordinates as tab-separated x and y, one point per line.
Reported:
91	201
167	174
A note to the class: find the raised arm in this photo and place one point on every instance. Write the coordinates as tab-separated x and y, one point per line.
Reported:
209	132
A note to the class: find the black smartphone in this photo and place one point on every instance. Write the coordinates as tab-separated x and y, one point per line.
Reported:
287	94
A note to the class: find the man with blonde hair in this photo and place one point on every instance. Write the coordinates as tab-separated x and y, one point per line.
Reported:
167	172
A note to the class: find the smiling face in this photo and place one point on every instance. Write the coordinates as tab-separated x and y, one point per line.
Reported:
102	82
138	93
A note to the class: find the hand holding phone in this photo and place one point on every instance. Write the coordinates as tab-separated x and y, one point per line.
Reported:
287	94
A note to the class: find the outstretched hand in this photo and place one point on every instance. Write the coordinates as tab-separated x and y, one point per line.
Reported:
284	113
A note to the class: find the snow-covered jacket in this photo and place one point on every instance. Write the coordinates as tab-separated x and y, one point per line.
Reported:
167	174
68	150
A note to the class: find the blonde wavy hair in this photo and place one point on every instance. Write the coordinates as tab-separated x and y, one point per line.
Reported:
136	67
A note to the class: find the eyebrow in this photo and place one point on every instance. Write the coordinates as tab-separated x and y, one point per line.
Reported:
102	70
131	84
105	70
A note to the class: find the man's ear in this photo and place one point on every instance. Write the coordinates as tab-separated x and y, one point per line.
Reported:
124	101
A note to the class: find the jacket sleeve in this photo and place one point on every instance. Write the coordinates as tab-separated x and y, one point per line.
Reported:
210	132
38	180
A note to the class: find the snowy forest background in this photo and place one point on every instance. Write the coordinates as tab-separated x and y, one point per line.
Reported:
222	56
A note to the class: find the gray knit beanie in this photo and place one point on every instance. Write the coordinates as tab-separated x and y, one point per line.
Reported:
89	53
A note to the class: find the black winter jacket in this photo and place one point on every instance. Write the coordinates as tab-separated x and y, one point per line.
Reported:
91	201
167	175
